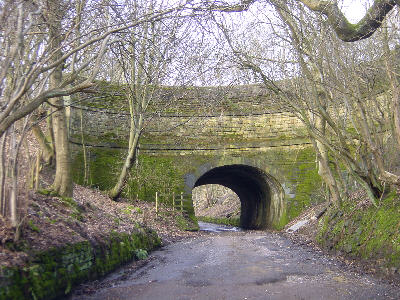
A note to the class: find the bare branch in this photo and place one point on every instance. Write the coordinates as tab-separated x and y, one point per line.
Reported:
344	29
222	6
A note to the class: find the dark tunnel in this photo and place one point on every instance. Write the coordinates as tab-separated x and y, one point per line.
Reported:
251	185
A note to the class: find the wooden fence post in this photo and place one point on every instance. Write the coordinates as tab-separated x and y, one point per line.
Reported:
38	155
156	203
181	201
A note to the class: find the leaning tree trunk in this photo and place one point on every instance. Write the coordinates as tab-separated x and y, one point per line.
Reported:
44	144
323	167
134	137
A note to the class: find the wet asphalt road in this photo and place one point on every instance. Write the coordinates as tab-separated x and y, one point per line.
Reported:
241	265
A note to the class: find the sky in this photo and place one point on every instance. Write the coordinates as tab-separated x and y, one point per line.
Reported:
354	10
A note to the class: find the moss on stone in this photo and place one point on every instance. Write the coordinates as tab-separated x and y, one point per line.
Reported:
298	171
187	222
370	233
282	221
102	168
294	168
52	274
155	174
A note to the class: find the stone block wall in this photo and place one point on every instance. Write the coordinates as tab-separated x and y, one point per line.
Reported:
176	144
51	274
112	126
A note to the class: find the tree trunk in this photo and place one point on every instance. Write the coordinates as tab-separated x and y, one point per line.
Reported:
13	194
326	173
62	184
2	174
47	151
130	159
85	164
394	82
134	136
13	198
396	111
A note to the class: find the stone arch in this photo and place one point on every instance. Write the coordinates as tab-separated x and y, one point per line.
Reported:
260	194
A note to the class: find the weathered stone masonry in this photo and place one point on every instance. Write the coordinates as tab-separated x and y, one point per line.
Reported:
180	147
104	122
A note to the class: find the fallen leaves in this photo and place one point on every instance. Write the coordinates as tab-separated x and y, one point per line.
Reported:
91	215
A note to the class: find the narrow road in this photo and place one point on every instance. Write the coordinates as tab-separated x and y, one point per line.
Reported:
240	265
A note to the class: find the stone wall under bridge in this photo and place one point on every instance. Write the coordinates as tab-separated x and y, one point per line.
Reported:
263	157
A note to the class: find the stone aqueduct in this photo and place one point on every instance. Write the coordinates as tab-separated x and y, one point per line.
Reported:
249	145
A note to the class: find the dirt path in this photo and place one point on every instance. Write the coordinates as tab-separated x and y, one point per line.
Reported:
240	265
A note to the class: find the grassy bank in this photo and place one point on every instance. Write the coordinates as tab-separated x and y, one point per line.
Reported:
362	231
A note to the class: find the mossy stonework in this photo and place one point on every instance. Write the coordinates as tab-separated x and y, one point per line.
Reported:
369	233
51	274
179	151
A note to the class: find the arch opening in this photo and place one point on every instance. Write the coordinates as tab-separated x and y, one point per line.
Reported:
255	189
216	201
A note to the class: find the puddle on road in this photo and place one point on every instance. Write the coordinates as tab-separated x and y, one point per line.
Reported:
211	227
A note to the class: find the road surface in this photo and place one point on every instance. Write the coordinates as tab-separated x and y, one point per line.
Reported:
239	265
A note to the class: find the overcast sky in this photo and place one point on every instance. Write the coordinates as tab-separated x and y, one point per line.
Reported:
355	9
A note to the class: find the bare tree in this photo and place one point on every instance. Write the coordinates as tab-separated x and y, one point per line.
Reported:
345	30
148	56
316	91
48	50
